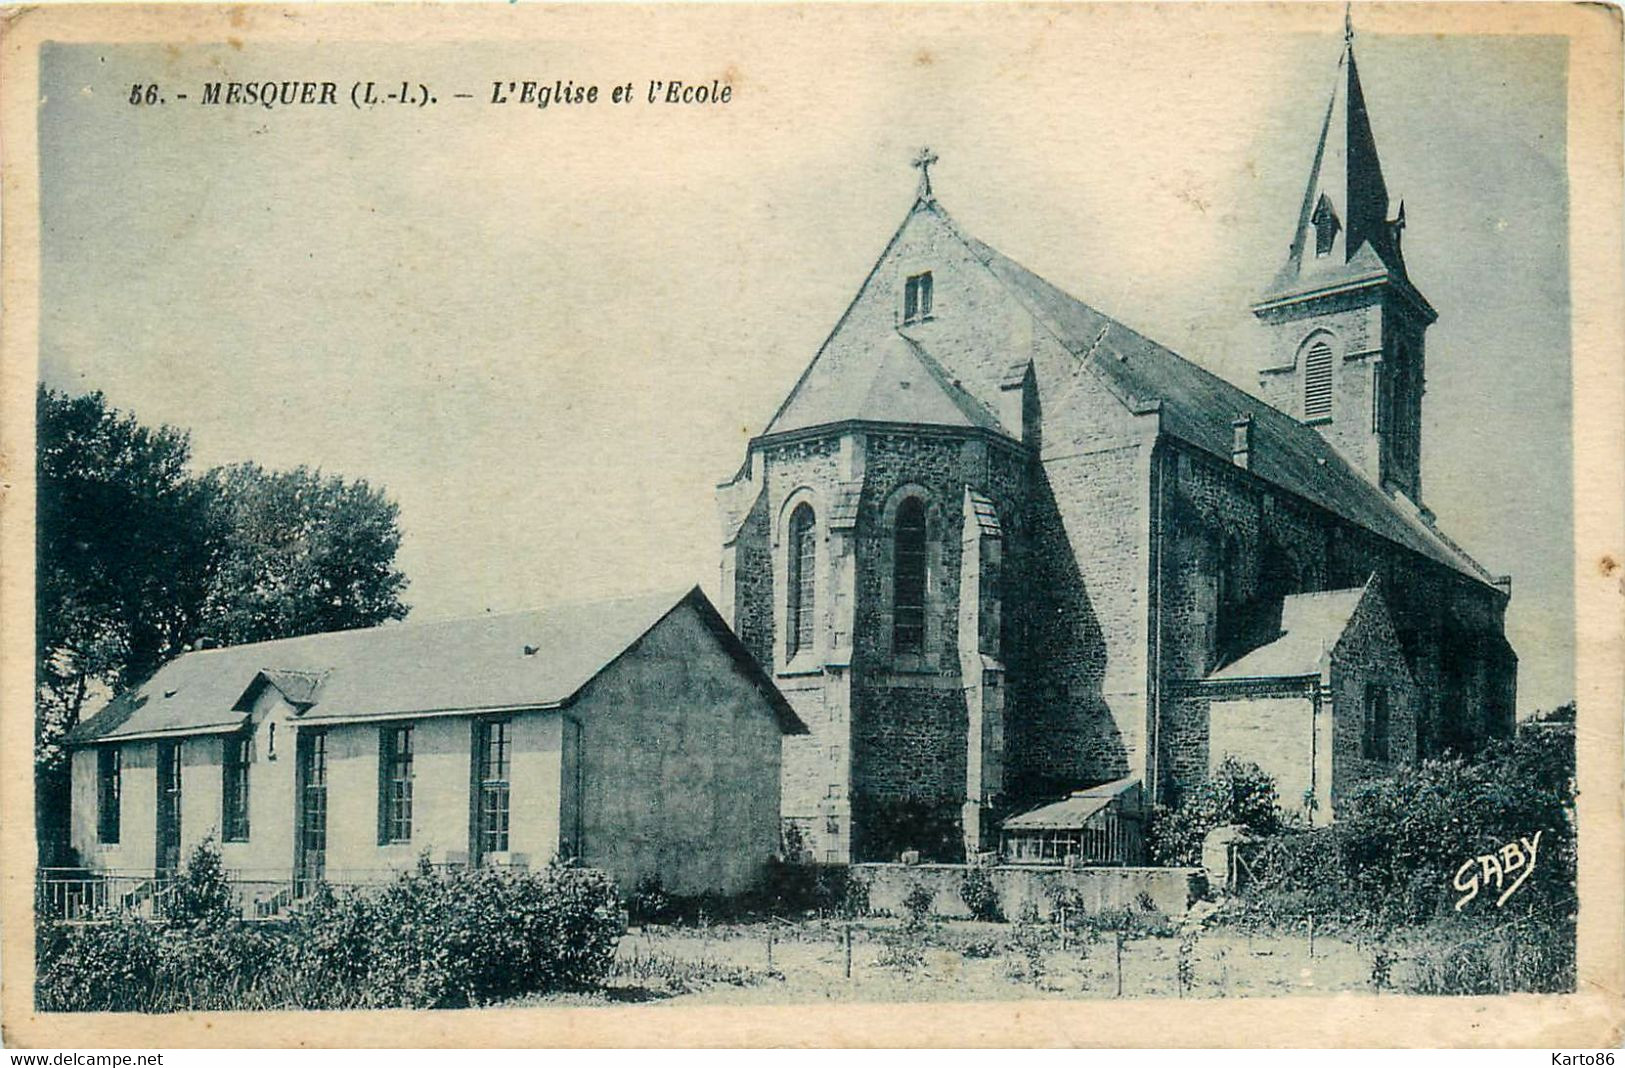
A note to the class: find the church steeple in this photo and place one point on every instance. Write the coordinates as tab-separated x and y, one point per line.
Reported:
1347	320
1343	220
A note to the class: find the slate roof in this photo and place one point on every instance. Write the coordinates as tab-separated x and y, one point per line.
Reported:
1071	813
1311	626
903	383
1200	408
459	665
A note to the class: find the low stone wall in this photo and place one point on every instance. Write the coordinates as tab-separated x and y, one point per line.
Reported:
1168	890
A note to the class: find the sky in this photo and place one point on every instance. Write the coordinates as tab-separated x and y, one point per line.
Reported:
548	333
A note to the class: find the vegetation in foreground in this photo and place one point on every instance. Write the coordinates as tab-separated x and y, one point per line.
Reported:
433	938
1368	904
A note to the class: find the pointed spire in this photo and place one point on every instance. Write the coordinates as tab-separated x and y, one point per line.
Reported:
922	161
1343	216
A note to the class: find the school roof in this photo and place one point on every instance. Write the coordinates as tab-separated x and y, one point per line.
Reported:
541	658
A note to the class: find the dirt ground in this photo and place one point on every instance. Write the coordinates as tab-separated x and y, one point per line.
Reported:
961	961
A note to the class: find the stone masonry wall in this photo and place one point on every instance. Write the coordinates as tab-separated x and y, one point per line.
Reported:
1283	545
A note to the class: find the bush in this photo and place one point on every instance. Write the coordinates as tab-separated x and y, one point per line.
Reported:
430	939
979	894
1391	857
203	893
1385	869
1236	793
1028	940
649	902
917	906
842	893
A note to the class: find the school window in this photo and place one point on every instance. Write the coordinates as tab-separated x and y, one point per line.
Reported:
234	789
109	770
917	298
491	800
395	784
803	573
908	585
1317	381
1374	743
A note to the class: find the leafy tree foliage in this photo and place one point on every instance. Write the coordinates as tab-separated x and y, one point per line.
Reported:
301	553
1237	793
1392	855
123	553
137	559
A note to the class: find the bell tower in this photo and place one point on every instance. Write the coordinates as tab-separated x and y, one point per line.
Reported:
1347	326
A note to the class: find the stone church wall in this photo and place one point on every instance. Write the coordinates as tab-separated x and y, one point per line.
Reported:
1369	653
1444	621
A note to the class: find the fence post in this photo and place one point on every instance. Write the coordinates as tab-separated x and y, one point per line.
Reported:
1063	928
1311	936
770	949
1119	963
846	937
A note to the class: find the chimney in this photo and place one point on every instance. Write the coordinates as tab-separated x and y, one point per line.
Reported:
1241	441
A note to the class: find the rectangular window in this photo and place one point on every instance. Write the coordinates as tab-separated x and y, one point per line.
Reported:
109	771
491	785
395	784
1379	407
234	789
917	298
1374	742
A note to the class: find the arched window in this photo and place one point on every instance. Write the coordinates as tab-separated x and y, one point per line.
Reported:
908	581
1317	380
803	572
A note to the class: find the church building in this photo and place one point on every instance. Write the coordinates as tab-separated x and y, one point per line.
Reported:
997	548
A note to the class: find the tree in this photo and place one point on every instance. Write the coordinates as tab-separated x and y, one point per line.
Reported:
301	553
1237	793
122	555
136	559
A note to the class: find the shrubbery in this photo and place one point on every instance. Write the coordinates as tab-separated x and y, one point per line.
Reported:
1391	856
432	938
1236	793
1386	869
979	893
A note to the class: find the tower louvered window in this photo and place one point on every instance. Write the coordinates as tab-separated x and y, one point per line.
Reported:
803	573
1317	381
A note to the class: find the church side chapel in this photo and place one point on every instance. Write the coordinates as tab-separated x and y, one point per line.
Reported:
1013	563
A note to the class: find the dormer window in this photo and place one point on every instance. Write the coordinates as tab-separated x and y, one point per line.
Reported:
917	298
1326	226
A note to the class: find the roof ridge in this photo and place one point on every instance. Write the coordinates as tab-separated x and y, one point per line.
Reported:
1448	552
417	624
